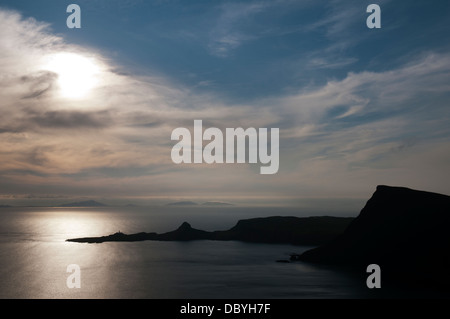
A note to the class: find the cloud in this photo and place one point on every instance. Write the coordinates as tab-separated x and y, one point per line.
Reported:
38	83
124	124
238	23
341	21
72	119
377	93
225	36
363	129
315	61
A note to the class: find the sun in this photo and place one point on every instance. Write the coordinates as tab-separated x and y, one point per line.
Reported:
77	74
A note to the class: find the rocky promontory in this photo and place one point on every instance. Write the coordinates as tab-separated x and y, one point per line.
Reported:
277	229
406	232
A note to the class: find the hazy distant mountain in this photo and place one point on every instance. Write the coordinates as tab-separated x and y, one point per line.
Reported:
406	232
216	204
292	230
87	203
5	206
183	203
190	203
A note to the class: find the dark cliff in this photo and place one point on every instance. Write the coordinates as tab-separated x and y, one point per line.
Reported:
294	230
405	231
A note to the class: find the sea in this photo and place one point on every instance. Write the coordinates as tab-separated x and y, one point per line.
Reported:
34	257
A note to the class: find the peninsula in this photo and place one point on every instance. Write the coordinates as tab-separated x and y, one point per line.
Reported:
276	229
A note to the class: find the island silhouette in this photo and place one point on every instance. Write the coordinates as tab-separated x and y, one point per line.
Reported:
276	229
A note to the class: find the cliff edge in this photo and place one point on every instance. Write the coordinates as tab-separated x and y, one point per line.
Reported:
406	232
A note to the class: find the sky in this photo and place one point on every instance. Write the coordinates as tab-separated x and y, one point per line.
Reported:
89	112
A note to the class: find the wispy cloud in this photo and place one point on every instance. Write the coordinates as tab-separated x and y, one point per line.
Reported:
226	34
325	62
342	21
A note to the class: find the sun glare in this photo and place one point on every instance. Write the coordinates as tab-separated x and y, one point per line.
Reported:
77	74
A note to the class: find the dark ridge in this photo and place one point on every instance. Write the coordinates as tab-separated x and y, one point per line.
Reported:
115	237
291	230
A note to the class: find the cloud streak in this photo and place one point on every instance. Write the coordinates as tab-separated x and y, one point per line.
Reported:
225	36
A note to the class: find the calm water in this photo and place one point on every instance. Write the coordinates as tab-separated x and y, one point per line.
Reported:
34	257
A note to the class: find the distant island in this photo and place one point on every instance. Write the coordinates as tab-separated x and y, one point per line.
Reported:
190	203
217	204
277	229
182	203
87	203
